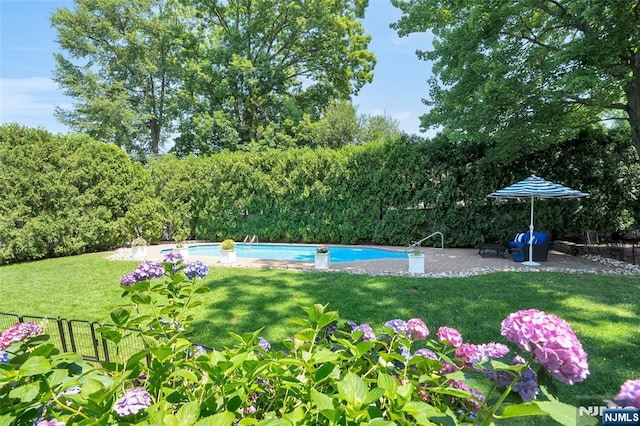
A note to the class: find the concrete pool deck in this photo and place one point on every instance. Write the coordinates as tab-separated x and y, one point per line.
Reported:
453	262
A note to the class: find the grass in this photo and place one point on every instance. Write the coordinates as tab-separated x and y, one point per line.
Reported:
604	311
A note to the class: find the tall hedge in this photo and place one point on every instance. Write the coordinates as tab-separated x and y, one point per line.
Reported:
63	195
398	192
70	194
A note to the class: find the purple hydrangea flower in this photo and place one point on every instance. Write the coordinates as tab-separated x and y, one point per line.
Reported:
133	401
148	270
52	422
4	357
417	329
552	342
264	344
527	386
129	279
196	269
172	257
629	395
493	350
426	353
18	333
367	331
145	271
450	336
397	325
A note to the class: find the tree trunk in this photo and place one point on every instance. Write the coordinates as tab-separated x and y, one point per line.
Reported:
632	90
154	127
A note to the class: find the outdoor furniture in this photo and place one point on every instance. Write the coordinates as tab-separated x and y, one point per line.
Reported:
492	248
541	242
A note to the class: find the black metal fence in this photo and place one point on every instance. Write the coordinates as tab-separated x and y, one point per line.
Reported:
81	337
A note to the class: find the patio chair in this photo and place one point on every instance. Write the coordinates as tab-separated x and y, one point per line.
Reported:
541	243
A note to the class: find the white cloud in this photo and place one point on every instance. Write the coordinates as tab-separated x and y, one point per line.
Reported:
31	102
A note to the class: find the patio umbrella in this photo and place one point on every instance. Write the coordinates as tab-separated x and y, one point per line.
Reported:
535	187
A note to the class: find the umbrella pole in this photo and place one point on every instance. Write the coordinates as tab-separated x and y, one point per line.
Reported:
530	262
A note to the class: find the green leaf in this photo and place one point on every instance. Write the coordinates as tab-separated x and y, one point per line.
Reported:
562	413
34	366
188	413
234	403
389	384
141	298
91	387
323	372
161	352
26	393
120	316
332	415
186	374
521	410
221	419
324	355
422	412
322	401
110	334
7	420
373	395
352	389
380	422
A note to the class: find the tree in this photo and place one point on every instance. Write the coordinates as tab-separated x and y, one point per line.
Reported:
121	68
529	70
258	65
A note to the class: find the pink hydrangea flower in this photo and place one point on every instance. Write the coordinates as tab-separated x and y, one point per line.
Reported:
417	329
18	333
551	341
450	335
629	395
426	353
469	354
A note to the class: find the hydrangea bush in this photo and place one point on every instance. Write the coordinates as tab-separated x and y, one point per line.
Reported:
329	372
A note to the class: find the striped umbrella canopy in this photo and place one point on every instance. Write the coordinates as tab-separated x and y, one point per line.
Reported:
535	187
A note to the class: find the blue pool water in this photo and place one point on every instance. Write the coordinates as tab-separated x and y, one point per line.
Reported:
298	252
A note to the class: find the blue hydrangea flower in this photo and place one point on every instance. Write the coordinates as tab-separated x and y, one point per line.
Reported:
4	357
397	325
264	344
196	269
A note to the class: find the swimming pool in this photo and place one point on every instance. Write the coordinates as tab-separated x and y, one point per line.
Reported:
303	253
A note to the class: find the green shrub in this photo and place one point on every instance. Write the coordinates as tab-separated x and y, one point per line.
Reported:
228	244
62	195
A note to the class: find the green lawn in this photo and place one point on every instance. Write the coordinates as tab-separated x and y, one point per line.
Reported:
604	311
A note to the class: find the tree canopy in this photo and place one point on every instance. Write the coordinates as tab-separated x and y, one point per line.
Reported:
528	70
210	74
121	69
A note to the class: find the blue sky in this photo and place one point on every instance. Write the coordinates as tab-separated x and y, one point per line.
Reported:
28	96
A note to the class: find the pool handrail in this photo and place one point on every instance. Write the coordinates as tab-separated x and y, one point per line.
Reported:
418	243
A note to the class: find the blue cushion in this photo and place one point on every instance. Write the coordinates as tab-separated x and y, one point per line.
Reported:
541	237
523	238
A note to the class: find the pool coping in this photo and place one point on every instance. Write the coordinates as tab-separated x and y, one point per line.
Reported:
452	263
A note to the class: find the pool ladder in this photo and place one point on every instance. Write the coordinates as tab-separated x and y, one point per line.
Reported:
439	250
250	239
